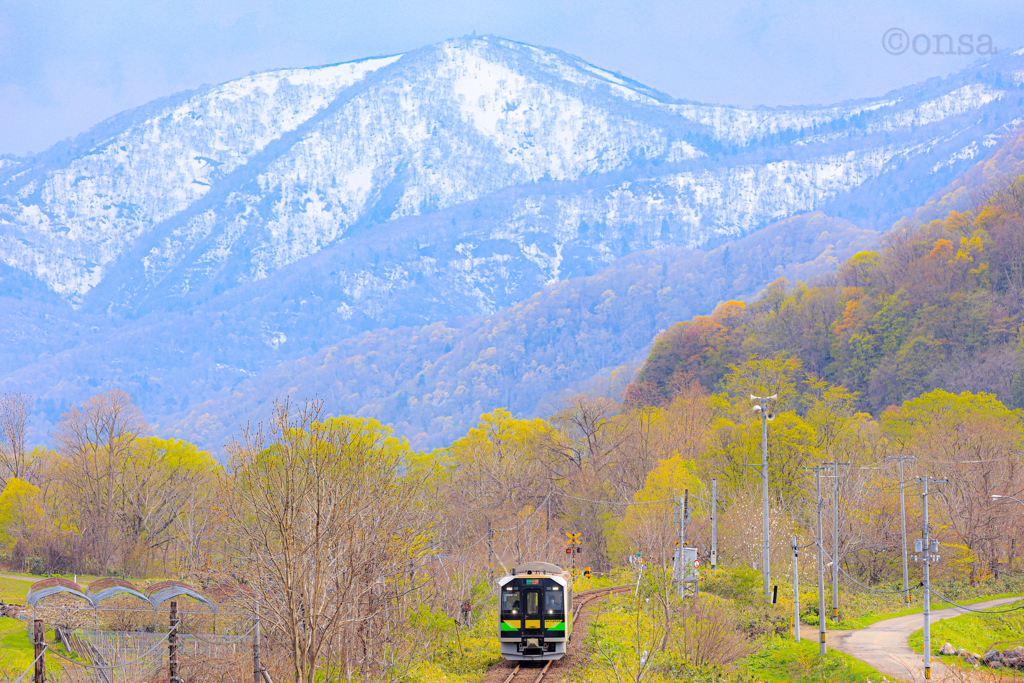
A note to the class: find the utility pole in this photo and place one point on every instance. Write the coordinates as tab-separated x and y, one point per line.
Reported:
796	593
766	414
490	552
549	509
684	518
714	524
835	538
257	666
821	561
903	534
926	557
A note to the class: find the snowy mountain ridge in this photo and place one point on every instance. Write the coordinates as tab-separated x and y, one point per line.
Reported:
243	179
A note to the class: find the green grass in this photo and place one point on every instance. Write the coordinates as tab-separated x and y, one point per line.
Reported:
13	591
976	632
936	604
16	650
459	655
785	661
83	579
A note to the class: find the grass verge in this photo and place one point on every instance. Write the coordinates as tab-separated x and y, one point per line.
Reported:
785	661
13	591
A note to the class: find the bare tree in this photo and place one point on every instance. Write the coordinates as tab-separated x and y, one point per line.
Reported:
14	412
328	536
95	441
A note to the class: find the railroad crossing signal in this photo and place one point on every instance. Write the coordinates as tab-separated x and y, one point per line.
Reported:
574	539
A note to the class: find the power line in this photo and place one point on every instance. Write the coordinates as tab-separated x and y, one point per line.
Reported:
612	502
976	611
875	590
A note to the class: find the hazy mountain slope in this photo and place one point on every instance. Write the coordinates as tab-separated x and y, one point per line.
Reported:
184	247
433	382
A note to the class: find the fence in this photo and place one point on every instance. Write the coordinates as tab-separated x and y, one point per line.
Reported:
98	656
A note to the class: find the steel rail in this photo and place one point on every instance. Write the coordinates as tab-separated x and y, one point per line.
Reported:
538	679
582	598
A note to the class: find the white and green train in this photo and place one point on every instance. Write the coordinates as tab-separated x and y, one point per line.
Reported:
535	612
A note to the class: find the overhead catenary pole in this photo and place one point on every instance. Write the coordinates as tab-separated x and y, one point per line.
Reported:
714	524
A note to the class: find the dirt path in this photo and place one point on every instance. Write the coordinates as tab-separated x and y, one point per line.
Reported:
21	578
883	645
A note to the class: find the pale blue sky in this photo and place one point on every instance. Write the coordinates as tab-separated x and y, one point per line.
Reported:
67	64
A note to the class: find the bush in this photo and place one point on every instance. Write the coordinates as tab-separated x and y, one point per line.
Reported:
35	565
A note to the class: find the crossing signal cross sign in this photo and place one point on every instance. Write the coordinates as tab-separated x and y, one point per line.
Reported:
574	539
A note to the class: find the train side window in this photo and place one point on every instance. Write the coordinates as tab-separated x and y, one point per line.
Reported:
553	601
510	601
532	603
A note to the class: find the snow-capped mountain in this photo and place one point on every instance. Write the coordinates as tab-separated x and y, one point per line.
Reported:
307	205
228	184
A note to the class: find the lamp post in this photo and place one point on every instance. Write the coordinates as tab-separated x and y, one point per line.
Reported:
996	496
764	405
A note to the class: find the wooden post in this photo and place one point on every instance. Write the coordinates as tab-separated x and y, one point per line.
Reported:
39	640
172	644
257	667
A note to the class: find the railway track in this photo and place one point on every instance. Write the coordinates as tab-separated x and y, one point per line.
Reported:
528	674
532	675
584	597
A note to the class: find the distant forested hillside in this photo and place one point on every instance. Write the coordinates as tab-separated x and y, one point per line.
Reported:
433	382
938	306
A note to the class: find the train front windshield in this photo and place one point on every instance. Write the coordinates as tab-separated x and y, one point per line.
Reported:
510	602
553	601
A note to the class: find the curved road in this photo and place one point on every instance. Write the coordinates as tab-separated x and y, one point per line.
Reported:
883	645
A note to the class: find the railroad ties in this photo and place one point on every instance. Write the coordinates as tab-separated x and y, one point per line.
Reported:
521	675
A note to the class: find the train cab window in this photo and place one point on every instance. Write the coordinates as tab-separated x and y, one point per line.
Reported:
510	602
553	603
532	603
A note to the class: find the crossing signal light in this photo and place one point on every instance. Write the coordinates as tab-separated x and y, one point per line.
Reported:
568	551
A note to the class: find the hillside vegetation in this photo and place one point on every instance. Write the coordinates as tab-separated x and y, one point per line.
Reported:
433	382
937	306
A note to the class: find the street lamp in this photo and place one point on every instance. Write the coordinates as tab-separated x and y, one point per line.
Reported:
996	496
765	407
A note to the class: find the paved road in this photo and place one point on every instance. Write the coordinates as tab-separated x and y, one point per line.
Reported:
883	645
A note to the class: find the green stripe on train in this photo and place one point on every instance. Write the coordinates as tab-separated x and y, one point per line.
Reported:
506	627
560	626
